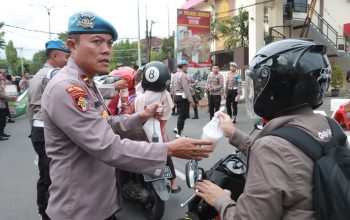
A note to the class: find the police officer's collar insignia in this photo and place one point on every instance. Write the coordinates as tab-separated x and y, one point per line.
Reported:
86	80
80	97
85	21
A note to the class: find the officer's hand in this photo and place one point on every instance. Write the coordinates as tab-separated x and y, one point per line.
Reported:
14	98
211	192
193	104
188	148
151	111
211	89
226	125
120	84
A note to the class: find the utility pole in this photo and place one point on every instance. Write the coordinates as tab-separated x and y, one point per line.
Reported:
138	34
168	20
48	9
150	40
147	44
22	65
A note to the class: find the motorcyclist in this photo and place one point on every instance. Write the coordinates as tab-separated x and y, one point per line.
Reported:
286	80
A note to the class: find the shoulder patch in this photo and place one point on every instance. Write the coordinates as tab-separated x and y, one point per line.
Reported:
79	96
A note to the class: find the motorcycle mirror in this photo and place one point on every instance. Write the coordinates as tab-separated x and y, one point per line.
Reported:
192	173
258	124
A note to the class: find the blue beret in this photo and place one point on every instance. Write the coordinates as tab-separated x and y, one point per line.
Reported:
182	63
56	45
233	64
88	23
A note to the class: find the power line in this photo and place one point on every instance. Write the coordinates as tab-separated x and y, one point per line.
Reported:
25	29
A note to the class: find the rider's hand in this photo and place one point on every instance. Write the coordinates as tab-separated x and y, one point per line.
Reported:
226	125
151	111
188	148
211	192
120	84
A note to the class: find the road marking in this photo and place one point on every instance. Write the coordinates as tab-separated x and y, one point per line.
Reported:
180	174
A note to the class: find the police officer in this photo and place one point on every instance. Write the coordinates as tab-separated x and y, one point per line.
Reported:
84	142
57	55
193	83
214	85
232	91
286	80
182	96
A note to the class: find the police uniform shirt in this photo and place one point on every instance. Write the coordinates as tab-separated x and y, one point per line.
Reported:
85	150
181	85
232	82
216	82
35	92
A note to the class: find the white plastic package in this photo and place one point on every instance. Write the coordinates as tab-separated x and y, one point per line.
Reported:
212	130
152	130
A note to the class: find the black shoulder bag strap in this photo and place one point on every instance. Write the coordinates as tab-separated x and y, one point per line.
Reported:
301	140
306	143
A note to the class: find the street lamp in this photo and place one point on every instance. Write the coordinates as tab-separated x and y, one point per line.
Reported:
48	9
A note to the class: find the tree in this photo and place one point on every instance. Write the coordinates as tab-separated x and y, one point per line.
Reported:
63	36
38	61
234	30
11	56
125	54
2	41
168	48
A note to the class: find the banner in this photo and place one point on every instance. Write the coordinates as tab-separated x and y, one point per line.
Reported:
19	107
193	41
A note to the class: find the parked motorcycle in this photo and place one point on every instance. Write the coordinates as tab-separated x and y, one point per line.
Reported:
148	191
228	173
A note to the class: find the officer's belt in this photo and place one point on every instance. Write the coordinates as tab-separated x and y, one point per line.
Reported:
232	88
38	123
180	93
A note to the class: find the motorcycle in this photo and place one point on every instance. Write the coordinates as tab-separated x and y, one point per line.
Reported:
228	173
149	192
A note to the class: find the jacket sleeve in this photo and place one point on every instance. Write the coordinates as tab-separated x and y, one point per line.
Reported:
186	88
93	134
241	140
226	85
270	176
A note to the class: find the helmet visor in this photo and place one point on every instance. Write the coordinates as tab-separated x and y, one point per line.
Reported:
255	83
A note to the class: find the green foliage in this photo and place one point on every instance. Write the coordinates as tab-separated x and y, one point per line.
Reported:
11	56
124	54
2	33
38	61
168	48
234	30
337	77
63	36
3	64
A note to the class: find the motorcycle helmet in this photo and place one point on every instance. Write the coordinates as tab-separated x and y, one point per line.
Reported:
155	76
285	75
126	73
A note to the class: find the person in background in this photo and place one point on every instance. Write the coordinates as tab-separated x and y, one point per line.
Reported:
3	107
348	79
182	96
193	83
232	91
8	81
214	85
24	83
56	57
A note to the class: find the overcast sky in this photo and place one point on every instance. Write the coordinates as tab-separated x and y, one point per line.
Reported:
122	14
